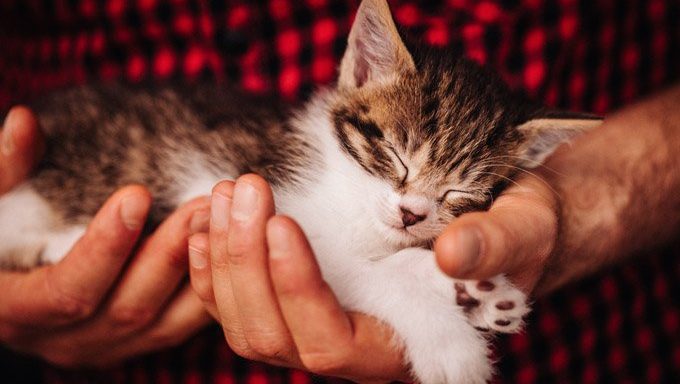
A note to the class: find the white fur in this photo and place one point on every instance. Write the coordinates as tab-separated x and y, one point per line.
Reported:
59	242
30	233
194	178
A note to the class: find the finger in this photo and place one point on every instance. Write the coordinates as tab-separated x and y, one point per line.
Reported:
200	273
21	145
220	207
263	325
155	271
181	319
517	231
302	293
333	343
149	280
72	289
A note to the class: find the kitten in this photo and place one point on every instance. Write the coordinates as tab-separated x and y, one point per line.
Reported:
372	169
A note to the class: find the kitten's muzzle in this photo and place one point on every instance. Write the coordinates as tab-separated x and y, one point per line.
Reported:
409	218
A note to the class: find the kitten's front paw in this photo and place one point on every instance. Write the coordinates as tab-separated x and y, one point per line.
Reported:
492	304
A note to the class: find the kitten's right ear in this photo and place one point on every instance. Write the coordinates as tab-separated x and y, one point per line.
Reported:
375	51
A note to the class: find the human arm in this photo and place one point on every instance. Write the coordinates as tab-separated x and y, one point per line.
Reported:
112	297
608	196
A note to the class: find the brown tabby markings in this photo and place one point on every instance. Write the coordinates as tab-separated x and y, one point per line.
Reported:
451	122
103	137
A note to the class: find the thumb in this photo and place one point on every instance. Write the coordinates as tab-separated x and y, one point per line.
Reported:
514	237
21	146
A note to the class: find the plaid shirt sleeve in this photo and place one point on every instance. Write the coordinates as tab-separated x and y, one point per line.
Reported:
621	326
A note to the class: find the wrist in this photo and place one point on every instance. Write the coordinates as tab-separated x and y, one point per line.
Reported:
616	187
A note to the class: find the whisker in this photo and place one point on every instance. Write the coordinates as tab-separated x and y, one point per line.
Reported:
501	176
529	173
541	165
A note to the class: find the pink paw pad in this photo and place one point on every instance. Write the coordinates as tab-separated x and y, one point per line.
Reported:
492	304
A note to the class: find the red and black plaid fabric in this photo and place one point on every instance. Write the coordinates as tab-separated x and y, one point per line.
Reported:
621	326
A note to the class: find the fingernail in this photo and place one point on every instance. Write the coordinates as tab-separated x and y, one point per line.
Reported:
133	209
219	210
200	221
246	198
7	146
469	247
197	257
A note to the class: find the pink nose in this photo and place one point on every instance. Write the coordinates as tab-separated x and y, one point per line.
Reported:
409	218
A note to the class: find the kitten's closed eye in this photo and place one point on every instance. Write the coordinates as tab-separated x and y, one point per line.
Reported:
400	166
452	194
458	202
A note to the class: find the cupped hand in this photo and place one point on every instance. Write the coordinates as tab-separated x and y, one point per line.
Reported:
515	237
112	297
257	275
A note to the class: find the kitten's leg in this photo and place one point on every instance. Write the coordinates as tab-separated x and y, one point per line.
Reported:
408	292
24	218
493	304
29	233
60	242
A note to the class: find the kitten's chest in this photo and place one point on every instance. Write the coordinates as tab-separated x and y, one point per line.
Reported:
336	221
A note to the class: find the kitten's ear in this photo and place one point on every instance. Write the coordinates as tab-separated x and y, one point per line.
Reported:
544	134
375	51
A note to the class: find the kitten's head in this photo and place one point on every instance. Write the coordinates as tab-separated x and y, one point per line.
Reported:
442	134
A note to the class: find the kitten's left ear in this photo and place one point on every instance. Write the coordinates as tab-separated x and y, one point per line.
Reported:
375	51
544	134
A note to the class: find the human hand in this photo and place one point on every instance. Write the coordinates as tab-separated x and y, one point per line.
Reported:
515	237
103	302
617	199
257	275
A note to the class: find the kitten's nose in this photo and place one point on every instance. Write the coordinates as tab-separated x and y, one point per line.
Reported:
409	218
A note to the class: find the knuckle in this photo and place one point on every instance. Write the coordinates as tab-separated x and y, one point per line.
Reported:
130	317
323	363
219	258
239	344
241	248
220	262
68	306
238	255
242	348
274	348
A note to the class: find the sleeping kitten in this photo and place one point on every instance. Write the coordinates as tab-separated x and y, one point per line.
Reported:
372	169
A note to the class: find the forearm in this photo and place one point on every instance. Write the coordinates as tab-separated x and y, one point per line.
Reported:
618	188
